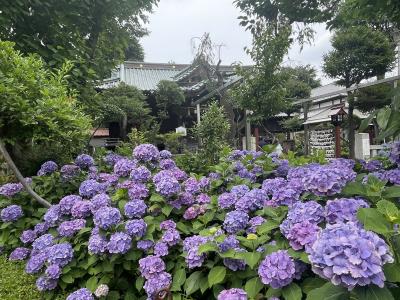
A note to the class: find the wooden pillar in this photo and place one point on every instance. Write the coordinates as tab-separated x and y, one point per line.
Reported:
198	113
248	131
337	141
257	135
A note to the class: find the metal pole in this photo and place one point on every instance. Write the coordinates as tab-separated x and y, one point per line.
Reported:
248	131
337	141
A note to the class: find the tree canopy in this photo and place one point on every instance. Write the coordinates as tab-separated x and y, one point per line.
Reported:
169	98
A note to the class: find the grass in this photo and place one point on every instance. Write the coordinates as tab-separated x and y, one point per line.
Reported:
15	284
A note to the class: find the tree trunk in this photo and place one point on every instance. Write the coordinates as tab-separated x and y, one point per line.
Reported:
21	178
352	134
306	133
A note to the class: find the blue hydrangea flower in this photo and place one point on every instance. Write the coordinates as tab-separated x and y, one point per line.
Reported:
137	191
145	245
227	200
47	168
84	161
119	243
81	294
160	249
35	263
277	269
10	189
156	285
168	186
90	188
140	174
135	209
19	253
28	236
11	213
164	154
53	215
123	167
69	228
136	228
68	172
67	202
302	235
107	217
97	244
60	254
81	209
171	237
150	266
43	242
53	271
251	201
235	221
99	201
232	294
146	153
44	283
343	210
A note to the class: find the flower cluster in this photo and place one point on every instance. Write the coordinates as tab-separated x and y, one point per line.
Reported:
11	213
277	269
232	294
47	168
146	153
10	189
343	210
84	161
152	268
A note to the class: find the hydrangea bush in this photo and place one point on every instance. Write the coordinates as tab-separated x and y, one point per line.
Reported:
255	227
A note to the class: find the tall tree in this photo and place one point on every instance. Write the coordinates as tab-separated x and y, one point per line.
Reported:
358	53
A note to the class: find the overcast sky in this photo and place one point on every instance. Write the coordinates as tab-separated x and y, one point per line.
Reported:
175	22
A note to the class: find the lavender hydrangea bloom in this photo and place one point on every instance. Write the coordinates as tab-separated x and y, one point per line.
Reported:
194	211
160	249
81	294
145	245
43	283
53	271
19	253
53	215
302	211
90	188
107	217
150	266
285	196
123	167
146	153
11	213
135	209
41	228
164	154
108	179
10	189
99	201
349	256
191	246
60	254
168	186
232	294
240	190
81	209
203	199
69	228
84	161
343	210
68	172
235	264
393	176
394	154
111	158
136	228
167	224
270	185
67	202
48	167
35	263
372	165
277	269
28	236
254	223
191	186
226	200
137	191
302	234
235	221
120	243
167	164
140	174
171	237
230	242
43	242
157	284
251	201
97	244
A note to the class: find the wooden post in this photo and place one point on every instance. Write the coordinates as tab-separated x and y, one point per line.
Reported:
248	131
257	135
337	141
198	113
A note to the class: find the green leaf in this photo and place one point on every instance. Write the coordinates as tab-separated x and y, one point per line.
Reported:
388	209
267	227
207	247
383	117
251	258
292	292
91	283
365	123
192	283
253	287
216	275
67	278
391	192
178	280
372	292
203	284
354	189
312	283
373	220
392	272
328	292
139	283
157	198
166	210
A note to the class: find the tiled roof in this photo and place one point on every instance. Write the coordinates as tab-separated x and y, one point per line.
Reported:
101	132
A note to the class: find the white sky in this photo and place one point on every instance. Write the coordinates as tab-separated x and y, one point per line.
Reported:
175	22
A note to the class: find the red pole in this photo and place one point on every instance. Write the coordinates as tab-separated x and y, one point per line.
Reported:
337	141
257	135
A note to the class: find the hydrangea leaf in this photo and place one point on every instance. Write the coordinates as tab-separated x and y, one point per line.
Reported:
328	292
178	280
373	292
192	283
310	284
388	209
139	283
91	283
292	292
216	275
392	273
373	220
391	192
253	287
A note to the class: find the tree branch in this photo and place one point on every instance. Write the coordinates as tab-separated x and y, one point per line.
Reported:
21	178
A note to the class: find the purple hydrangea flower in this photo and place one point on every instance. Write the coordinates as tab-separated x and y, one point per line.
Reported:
343	210
167	164
41	228
97	244
67	202
145	245
271	185
191	185
171	237
81	294
230	242
28	236
11	213
146	153
19	253
60	254
123	167
179	174
157	284
99	201
120	243
84	161
160	249
226	200
140	174
35	263
251	201
240	190
194	211
203	199
68	172
277	269
168	186
69	228
302	234
165	154
135	209
393	176
48	167
235	264
284	196
394	154
232	294
43	242
108	179
43	283
254	223
349	256
372	165
90	188
107	217
150	266
167	224
53	271
191	246
111	158
138	191
136	228
81	209
52	215
235	221
10	189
